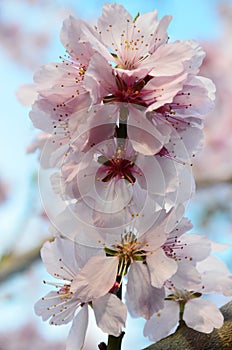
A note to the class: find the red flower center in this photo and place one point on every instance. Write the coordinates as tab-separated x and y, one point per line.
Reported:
120	168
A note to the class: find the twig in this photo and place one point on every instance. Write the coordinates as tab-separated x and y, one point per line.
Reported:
13	264
212	182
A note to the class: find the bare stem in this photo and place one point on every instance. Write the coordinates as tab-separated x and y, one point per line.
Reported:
114	343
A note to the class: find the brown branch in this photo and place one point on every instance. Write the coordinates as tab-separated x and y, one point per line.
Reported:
187	339
212	182
13	264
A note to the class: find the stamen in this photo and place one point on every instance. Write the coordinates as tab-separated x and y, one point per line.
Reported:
66	269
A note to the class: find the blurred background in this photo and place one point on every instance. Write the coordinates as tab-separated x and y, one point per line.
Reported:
29	37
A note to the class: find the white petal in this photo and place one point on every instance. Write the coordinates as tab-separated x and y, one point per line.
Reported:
161	267
170	58
187	276
156	236
113	197
216	282
216	277
219	247
118	18
163	323
183	144
144	136
71	31
202	315
76	336
162	90
211	263
142	298
96	278
148	23
197	95
59	258
93	38
95	74
151	170
195	246
184	225
27	94
110	313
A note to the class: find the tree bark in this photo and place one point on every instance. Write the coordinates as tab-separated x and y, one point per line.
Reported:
187	339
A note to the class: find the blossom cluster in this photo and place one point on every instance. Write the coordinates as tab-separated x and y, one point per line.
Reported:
121	118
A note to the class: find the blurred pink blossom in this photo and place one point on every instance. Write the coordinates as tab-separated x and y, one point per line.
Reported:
214	162
27	338
27	46
23	47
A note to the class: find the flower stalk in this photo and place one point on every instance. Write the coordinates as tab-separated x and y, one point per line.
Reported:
114	343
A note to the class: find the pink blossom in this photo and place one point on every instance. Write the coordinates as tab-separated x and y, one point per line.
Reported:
199	314
213	269
113	86
131	43
177	96
184	302
60	91
27	337
165	249
175	103
63	260
22	46
127	255
134	45
113	175
110	205
121	118
152	84
188	250
218	126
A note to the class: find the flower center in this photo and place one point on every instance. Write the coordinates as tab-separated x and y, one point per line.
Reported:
181	296
64	292
119	168
129	249
127	91
120	165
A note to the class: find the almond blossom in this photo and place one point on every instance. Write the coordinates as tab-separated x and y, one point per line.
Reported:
155	80
133	45
148	260
127	256
141	76
199	314
121	118
171	104
63	260
186	304
58	90
111	180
